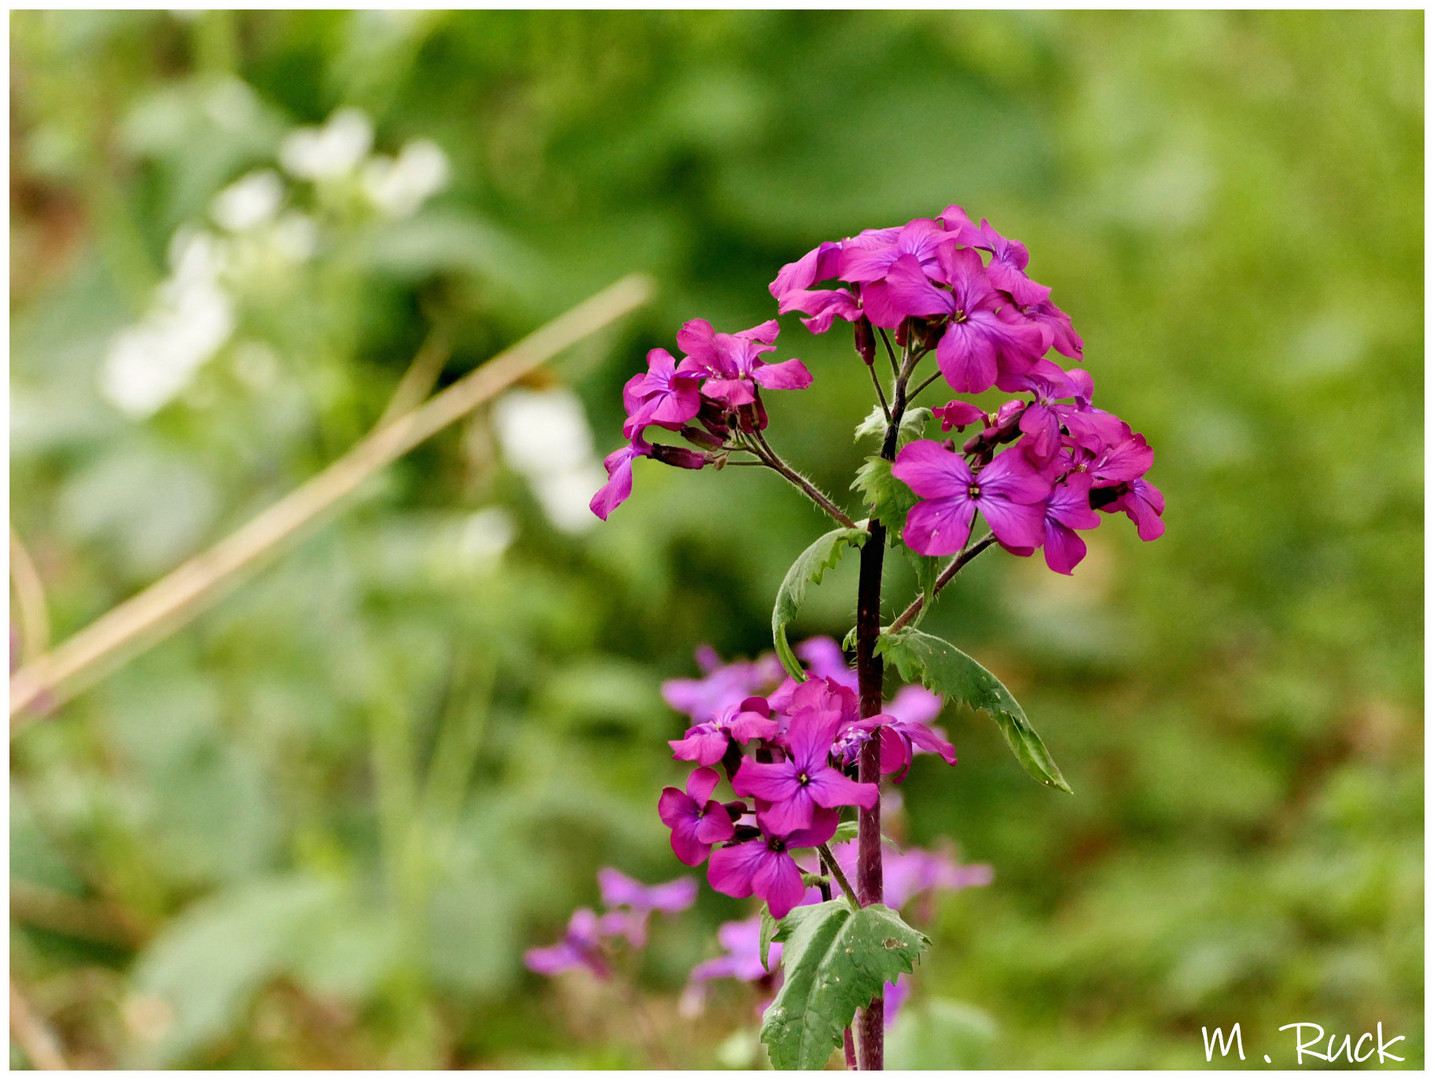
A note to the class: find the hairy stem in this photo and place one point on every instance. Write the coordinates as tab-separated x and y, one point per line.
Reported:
774	461
871	1028
952	569
829	861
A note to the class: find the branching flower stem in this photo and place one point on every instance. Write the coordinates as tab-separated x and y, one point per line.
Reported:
773	460
912	396
880	395
952	569
871	1029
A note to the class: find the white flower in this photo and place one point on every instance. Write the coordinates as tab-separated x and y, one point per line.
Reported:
249	202
545	436
398	188
191	318
331	151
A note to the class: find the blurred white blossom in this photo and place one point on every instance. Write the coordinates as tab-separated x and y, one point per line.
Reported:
546	437
249	202
399	186
331	151
191	318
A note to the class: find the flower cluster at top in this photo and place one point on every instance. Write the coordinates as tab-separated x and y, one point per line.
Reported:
790	756
591	939
1038	467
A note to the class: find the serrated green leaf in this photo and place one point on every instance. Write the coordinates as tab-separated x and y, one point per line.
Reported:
848	830
944	669
874	424
823	554
913	425
769	930
835	959
890	499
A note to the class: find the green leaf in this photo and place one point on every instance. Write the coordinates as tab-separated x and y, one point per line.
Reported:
847	830
913	425
888	497
835	959
941	667
769	930
811	564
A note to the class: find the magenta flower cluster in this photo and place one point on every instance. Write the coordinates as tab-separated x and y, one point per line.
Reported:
989	325
1040	468
792	752
712	390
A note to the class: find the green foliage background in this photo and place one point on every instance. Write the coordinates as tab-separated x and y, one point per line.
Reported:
319	826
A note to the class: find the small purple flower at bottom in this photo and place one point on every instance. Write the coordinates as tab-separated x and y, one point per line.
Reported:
763	866
578	949
696	819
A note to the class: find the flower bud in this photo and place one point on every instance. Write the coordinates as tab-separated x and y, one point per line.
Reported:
697	437
865	340
679	456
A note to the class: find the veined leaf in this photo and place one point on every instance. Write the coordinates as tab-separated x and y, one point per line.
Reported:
944	669
811	564
913	425
890	499
835	959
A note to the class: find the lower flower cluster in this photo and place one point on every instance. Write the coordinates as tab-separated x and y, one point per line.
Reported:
793	754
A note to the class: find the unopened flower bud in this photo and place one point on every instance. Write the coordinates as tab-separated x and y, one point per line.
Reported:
865	340
679	456
698	437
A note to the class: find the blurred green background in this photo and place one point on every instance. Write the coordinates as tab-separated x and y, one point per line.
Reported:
318	826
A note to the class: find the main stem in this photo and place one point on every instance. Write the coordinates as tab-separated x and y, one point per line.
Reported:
871	1025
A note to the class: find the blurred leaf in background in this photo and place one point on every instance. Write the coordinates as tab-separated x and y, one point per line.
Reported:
333	811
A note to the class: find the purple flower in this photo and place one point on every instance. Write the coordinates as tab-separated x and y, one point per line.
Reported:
1009	492
696	819
901	739
619	477
793	290
1143	504
795	790
1068	510
958	414
667	395
734	365
764	867
619	890
707	742
579	949
1008	257
868	257
741	959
